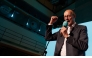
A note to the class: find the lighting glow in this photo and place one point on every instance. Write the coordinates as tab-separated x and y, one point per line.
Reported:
12	15
27	24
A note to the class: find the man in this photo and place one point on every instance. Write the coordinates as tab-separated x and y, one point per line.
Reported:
71	40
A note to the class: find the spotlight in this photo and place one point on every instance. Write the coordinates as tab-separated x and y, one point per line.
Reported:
12	15
39	30
27	23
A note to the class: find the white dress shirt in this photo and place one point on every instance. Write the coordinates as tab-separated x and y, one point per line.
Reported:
63	50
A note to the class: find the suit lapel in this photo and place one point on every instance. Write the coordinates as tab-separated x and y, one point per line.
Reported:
74	28
61	41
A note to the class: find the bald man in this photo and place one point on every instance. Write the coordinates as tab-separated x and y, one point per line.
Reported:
71	40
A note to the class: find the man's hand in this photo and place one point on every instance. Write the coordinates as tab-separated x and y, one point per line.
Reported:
64	32
53	19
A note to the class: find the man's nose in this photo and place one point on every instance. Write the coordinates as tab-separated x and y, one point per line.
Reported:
67	19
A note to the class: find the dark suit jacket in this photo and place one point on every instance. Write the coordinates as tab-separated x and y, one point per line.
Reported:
76	44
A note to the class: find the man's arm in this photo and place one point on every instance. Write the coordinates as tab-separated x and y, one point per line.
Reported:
82	42
48	34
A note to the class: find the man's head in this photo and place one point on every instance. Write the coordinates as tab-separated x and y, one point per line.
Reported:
69	15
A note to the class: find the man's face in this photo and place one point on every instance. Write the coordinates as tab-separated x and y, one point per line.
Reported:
69	17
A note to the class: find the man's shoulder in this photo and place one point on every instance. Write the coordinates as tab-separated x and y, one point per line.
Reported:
81	26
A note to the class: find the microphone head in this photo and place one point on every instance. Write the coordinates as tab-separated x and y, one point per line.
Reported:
65	23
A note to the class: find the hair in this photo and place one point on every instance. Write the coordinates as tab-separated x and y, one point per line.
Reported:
72	11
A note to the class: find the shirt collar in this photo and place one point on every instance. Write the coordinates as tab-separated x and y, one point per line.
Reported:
73	24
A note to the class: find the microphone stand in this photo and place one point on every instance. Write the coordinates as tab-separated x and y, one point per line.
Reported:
45	52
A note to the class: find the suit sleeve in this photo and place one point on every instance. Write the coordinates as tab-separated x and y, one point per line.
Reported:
82	42
48	34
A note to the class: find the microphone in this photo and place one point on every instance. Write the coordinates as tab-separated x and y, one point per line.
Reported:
65	24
